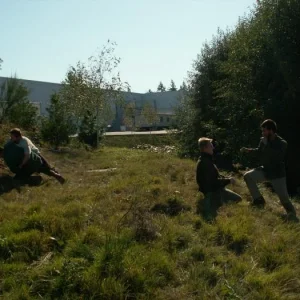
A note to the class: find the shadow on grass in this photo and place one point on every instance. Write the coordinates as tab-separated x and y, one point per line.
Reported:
172	207
8	184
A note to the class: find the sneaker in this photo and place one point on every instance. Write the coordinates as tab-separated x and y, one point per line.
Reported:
60	179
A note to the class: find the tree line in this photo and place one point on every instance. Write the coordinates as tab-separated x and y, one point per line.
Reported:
162	88
243	76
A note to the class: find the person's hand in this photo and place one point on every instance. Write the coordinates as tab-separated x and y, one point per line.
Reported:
245	150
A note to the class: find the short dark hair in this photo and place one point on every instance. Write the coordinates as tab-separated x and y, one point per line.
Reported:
16	132
269	124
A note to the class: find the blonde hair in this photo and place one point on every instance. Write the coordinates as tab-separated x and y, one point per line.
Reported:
203	142
16	132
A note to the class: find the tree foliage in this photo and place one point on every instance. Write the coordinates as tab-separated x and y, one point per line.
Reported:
244	76
149	114
183	86
130	114
172	86
161	87
58	126
15	106
94	87
88	130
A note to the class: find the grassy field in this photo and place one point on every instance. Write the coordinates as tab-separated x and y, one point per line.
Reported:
133	233
130	141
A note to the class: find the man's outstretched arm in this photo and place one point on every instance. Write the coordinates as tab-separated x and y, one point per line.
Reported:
254	150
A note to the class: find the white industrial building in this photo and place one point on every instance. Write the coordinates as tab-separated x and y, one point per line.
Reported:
164	103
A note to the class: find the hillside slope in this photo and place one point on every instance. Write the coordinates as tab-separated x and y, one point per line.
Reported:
133	233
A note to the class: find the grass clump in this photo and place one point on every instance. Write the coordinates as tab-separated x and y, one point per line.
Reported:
173	207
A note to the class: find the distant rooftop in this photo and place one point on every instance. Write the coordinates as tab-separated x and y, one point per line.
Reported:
30	81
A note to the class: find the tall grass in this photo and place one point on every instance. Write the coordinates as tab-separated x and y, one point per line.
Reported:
134	233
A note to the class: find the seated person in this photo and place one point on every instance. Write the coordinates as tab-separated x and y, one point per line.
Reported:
25	143
13	156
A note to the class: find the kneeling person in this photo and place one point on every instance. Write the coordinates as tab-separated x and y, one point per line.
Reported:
210	182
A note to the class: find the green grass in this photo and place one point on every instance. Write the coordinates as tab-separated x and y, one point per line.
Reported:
133	233
131	141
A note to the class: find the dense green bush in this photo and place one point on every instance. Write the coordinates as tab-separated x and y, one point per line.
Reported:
88	130
15	107
244	76
57	127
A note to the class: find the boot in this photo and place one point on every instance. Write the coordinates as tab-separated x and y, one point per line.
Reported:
58	177
259	202
291	212
292	218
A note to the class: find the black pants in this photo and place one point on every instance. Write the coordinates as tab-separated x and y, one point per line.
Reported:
214	200
25	172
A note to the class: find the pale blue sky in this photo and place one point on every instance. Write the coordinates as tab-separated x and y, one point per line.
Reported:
157	39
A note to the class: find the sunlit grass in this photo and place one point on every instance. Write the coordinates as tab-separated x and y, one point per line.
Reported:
133	233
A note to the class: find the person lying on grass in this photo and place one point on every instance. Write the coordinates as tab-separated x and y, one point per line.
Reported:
24	163
211	183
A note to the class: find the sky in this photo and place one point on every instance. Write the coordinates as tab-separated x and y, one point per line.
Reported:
157	40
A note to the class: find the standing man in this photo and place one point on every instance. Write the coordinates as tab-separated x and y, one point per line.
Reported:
210	182
272	153
29	149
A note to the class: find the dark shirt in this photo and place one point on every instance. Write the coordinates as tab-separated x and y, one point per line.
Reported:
13	156
208	176
272	157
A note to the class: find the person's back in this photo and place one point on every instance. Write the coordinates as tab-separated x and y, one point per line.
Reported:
28	145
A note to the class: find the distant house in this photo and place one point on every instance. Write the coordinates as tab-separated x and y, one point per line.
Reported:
163	104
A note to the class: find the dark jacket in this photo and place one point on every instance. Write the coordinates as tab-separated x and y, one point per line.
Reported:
208	176
272	157
13	156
